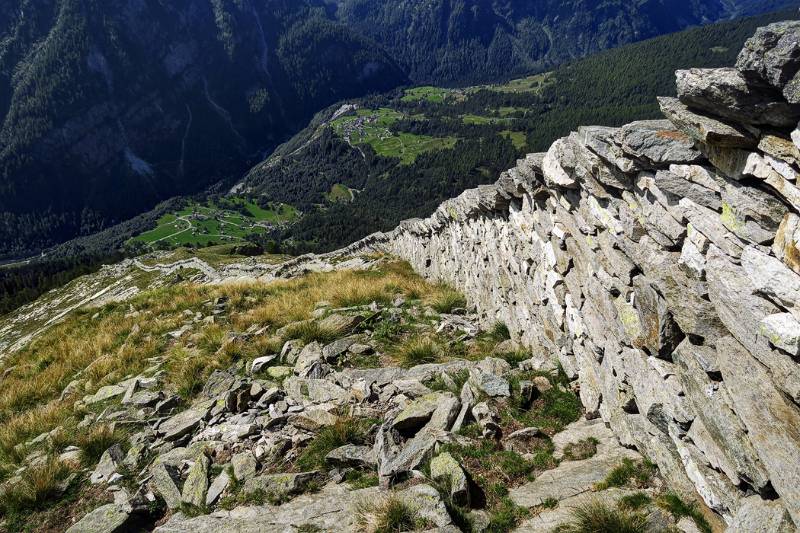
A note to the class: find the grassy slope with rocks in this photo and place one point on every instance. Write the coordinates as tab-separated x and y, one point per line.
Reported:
189	397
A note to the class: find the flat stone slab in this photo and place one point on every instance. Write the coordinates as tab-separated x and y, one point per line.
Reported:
331	509
571	478
550	519
582	430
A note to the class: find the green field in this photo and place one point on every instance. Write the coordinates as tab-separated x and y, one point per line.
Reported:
230	220
340	193
518	138
534	84
434	95
373	127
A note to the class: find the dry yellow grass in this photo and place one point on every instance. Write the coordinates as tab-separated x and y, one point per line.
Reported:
104	346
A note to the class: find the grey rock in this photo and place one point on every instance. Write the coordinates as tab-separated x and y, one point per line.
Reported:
771	420
108	465
196	485
657	142
490	384
703	128
683	188
726	93
487	418
331	509
310	356
165	483
109	518
428	504
244	465
259	363
570	478
291	350
783	331
761	516
417	413
352	456
183	423
773	55
751	214
105	393
445	469
332	351
217	487
280	484
340	323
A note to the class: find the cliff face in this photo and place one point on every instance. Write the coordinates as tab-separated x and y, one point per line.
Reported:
659	262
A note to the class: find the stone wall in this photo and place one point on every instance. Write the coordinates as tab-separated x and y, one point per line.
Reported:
659	262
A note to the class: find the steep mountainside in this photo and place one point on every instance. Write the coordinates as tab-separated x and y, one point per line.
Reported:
110	106
405	153
471	40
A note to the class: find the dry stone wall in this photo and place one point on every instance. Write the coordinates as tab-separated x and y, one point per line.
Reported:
659	262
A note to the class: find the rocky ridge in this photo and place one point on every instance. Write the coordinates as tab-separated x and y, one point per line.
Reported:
651	269
658	262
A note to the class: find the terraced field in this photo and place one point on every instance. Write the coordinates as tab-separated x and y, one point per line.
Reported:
212	224
373	127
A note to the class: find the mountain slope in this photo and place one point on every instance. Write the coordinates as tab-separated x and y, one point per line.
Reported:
110	106
369	147
476	40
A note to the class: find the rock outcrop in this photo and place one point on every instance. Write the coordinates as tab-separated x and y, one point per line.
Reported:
659	263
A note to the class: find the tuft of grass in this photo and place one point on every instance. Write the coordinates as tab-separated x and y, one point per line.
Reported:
672	503
389	515
635	501
499	332
505	517
447	299
95	443
417	351
629	472
346	430
358	479
458	378
39	485
597	517
577	451
310	332
552	411
550	503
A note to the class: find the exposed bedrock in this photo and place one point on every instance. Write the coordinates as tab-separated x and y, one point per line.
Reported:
659	263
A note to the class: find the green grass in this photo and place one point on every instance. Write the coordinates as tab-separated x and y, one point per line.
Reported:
518	138
339	193
530	84
577	451
634	501
389	515
551	412
598	517
448	300
309	332
344	431
434	95
417	351
679	509
375	130
629	472
229	220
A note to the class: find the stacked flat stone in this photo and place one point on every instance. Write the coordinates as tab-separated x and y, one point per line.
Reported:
659	263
